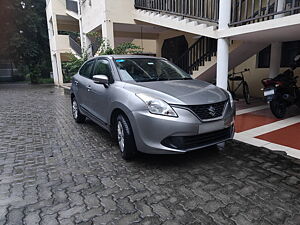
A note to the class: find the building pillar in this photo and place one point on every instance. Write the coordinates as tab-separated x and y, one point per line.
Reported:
108	32
59	69
222	63
56	61
223	45
54	69
108	27
275	59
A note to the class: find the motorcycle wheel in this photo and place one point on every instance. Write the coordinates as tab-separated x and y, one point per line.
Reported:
278	108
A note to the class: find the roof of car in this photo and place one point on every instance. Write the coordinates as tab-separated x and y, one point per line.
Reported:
129	56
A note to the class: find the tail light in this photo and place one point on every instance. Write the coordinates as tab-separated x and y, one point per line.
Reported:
269	82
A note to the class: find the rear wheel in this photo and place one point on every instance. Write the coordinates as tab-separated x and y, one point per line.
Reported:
246	92
78	117
125	137
278	108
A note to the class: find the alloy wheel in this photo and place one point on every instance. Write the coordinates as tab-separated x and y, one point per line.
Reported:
75	109
121	136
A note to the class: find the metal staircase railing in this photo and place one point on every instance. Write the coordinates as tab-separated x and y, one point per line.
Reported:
200	52
207	10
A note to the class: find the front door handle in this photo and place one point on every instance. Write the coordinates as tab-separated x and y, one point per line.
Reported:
89	88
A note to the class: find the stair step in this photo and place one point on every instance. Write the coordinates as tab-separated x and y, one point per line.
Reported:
194	23
202	26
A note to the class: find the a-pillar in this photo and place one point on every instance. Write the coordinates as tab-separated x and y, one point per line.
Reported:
275	58
223	45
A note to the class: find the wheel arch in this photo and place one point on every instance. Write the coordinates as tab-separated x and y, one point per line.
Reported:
116	110
72	97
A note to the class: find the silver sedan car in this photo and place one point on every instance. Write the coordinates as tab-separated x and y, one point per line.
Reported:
150	105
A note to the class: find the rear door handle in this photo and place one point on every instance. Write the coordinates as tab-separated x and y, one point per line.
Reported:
76	82
89	88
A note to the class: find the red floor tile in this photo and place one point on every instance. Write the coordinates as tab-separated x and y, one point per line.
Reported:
288	136
254	119
254	102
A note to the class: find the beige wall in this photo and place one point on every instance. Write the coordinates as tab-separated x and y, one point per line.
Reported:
121	11
256	75
149	46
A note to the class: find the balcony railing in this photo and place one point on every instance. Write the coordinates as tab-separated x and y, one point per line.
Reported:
72	5
242	11
207	10
251	11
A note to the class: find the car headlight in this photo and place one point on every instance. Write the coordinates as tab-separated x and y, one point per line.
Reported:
230	99
157	106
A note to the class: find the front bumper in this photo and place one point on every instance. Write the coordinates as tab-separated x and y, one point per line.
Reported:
155	134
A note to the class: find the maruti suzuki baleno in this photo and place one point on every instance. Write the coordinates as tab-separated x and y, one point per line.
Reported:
150	105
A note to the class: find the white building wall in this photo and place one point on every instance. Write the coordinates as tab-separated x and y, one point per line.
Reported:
94	13
53	9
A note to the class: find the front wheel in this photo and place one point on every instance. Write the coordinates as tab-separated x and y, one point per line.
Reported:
125	138
246	93
278	108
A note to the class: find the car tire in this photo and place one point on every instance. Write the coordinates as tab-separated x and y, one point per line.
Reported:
125	137
77	115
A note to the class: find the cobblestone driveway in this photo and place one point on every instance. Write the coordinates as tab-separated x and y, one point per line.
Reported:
53	171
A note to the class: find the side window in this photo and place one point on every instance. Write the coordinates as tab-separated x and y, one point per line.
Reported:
86	70
102	67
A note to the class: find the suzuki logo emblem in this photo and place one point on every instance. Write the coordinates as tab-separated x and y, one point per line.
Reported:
212	111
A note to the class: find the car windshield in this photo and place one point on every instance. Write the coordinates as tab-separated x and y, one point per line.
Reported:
148	69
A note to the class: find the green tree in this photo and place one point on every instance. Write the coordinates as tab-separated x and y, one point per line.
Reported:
27	42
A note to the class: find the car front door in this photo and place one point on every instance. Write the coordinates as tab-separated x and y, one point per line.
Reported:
83	83
99	94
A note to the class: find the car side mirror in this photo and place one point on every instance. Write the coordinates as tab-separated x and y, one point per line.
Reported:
101	79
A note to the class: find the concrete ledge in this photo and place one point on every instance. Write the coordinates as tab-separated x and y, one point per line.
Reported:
67	88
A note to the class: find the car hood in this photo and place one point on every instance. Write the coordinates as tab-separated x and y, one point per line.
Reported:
183	92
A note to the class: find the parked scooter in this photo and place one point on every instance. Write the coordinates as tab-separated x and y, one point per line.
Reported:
282	91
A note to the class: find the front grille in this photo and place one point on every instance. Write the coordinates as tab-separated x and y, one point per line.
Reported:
209	111
197	141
